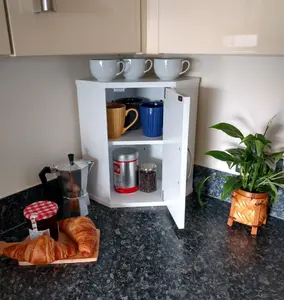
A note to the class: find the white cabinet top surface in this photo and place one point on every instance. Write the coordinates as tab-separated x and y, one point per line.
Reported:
140	83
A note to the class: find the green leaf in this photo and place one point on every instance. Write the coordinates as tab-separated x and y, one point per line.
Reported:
229	130
248	139
268	125
236	151
262	138
277	156
230	164
238	156
270	163
276	178
223	176
221	155
230	185
254	176
274	196
199	188
259	147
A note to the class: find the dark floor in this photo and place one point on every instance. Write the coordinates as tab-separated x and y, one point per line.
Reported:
144	256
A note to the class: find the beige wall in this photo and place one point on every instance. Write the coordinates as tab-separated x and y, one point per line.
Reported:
38	116
39	120
245	91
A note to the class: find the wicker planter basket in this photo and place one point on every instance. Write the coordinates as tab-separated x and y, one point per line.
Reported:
249	209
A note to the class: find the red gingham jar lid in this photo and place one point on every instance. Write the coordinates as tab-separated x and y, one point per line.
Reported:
41	210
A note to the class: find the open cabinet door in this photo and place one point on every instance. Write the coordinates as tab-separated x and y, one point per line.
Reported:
175	136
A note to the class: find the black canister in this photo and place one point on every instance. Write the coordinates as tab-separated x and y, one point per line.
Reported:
131	103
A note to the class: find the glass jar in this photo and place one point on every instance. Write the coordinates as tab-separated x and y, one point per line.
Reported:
148	177
41	219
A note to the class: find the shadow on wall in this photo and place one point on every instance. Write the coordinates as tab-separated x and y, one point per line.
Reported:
215	105
274	133
207	109
246	91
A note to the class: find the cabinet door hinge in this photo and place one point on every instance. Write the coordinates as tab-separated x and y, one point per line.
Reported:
180	98
162	195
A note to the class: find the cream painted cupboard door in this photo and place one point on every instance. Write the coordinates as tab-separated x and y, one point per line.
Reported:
221	26
4	37
76	27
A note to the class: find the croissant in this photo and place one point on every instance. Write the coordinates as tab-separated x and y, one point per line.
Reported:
16	251
64	250
42	250
38	251
82	231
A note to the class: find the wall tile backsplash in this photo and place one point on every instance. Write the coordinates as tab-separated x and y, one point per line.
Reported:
11	207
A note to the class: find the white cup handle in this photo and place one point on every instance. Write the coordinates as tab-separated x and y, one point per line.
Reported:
122	69
150	66
126	65
187	68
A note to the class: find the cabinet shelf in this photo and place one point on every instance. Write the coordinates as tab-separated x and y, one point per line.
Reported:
135	137
138	199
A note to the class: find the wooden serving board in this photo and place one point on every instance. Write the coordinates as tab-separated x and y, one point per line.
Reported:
78	258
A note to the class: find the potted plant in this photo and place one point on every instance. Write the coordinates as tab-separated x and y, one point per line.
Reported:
257	181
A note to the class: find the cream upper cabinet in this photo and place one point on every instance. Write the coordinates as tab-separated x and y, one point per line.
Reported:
215	27
75	27
4	37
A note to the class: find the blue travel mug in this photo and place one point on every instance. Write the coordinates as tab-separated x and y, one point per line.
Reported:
151	118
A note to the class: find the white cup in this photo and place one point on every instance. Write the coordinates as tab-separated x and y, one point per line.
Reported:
170	68
106	69
135	68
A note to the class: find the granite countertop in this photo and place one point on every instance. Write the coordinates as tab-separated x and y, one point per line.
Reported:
144	256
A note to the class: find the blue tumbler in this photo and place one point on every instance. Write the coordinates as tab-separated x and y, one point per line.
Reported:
151	118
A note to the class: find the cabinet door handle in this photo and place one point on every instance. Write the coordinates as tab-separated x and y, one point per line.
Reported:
41	6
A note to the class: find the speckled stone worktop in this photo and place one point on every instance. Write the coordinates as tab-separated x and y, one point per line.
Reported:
144	256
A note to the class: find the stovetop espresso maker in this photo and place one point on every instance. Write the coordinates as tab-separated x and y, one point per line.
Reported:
73	179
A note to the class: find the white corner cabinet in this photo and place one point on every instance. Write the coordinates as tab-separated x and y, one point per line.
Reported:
214	27
173	152
4	37
75	27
